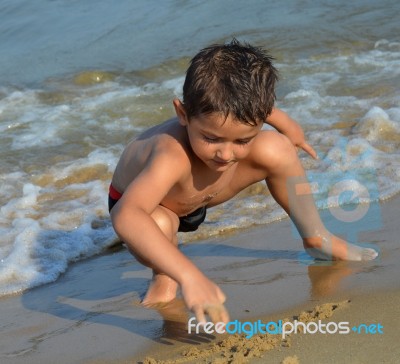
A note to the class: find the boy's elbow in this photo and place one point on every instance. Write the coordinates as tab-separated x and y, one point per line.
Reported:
119	218
126	218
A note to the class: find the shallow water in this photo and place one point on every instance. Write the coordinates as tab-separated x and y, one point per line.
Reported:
78	80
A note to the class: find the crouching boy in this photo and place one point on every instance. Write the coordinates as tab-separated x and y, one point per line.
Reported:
214	148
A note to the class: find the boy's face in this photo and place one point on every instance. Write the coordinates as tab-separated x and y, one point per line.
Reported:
218	142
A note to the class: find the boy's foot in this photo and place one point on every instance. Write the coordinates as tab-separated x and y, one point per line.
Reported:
162	289
358	253
335	248
173	311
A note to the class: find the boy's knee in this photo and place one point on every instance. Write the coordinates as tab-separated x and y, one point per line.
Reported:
286	146
276	149
166	220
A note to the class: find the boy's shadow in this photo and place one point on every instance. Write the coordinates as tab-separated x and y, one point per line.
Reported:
325	276
111	296
209	249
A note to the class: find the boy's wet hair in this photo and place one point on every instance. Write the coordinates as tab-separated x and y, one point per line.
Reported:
233	79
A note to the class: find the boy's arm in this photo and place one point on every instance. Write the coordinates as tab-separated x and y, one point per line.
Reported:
282	122
131	218
288	185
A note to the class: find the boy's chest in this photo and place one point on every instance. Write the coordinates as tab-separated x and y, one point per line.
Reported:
197	191
195	195
207	190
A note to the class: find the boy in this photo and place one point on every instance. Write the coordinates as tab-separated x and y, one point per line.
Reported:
214	148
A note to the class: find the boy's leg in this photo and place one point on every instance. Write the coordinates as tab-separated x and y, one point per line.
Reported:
162	287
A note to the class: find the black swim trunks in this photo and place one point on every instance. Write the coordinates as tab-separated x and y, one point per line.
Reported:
188	223
192	221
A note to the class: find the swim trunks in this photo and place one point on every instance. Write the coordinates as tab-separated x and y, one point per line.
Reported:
113	197
188	223
192	221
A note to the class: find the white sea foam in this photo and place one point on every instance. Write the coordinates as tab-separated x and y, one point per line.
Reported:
59	154
376	125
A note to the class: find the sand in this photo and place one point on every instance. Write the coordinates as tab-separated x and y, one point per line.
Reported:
92	313
355	347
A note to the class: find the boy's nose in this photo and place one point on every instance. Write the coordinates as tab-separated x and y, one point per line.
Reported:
225	152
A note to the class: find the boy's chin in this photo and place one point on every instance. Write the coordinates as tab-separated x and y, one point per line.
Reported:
220	167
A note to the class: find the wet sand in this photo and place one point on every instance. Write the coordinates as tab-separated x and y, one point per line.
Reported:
92	313
370	344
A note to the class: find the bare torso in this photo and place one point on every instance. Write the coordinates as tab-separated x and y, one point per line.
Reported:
200	186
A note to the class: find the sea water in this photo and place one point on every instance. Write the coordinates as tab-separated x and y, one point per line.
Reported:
78	80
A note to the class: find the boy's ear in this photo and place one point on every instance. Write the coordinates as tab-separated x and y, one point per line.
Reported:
180	112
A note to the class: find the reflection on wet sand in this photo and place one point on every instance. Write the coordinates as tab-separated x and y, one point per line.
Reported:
326	277
175	318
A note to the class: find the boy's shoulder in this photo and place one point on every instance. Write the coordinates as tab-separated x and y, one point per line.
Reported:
172	139
166	141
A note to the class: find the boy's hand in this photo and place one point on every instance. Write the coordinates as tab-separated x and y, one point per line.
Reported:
296	136
204	297
292	130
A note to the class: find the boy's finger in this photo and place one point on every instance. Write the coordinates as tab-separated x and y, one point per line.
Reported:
217	313
199	313
309	149
224	315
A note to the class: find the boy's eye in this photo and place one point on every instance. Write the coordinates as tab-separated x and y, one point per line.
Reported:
243	141
210	139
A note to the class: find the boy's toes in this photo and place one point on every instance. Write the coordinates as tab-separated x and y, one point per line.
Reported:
369	254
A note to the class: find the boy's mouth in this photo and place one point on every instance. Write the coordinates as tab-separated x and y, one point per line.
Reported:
222	163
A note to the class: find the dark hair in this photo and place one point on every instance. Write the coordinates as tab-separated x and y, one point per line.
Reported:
233	78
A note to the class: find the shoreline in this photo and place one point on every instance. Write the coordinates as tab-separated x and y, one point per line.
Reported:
92	313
